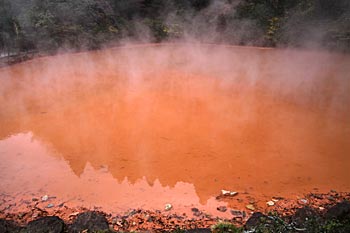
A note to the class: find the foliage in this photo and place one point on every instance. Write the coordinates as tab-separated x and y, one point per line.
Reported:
224	227
313	224
48	25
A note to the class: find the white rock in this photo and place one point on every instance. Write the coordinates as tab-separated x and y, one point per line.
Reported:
304	201
228	193
270	203
45	198
168	207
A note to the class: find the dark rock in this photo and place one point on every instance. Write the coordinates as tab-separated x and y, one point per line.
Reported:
50	224
306	218
317	196
195	210
256	219
92	221
340	211
304	213
222	208
236	213
8	226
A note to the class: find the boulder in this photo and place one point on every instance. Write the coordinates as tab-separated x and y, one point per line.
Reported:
8	226
340	211
92	221
49	224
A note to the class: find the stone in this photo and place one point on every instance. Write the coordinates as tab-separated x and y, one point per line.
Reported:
194	210
236	213
250	207
270	203
91	221
222	208
45	198
303	201
339	211
8	226
228	193
168	207
49	224
256	219
302	215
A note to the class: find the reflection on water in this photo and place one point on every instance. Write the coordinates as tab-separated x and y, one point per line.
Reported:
143	127
33	171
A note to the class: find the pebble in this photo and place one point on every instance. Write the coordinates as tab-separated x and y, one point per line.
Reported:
222	208
50	205
236	213
228	193
45	198
195	210
35	199
168	207
250	207
270	203
304	201
74	214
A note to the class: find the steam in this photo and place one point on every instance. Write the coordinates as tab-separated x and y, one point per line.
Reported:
122	22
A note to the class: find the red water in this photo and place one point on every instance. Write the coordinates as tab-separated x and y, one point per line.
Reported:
140	127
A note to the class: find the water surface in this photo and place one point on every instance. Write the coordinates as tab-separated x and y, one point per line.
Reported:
143	126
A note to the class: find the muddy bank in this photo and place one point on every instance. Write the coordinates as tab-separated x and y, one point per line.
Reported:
314	212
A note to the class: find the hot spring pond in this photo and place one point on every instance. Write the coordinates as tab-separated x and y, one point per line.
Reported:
142	126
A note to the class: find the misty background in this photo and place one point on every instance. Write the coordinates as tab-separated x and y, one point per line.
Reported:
51	25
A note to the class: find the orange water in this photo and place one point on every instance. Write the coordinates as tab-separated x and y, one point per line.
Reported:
143	126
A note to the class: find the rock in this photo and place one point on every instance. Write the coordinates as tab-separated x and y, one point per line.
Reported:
8	226
195	210
21	215
74	214
256	219
168	207
250	207
228	193
236	213
45	198
222	208
303	201
91	221
317	196
50	205
339	211
270	203
302	215
277	198
35	199
50	224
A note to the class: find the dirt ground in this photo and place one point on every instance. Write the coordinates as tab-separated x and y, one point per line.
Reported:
161	220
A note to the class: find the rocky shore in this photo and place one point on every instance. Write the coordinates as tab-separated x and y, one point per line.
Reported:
329	212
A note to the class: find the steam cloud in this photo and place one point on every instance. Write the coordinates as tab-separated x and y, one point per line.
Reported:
52	25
